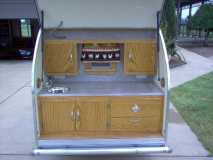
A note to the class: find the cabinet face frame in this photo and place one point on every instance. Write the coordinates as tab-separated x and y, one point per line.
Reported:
131	42
68	57
104	105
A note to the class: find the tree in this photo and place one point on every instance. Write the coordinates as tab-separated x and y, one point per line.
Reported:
168	25
203	19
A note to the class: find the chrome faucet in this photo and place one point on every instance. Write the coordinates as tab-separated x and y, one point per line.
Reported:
48	83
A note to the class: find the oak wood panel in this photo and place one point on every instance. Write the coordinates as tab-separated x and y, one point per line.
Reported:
139	57
146	125
100	70
60	57
100	41
100	134
56	115
148	106
118	41
93	113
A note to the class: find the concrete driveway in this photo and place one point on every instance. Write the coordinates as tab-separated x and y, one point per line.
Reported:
202	51
16	123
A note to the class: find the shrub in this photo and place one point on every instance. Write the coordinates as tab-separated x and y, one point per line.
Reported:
168	25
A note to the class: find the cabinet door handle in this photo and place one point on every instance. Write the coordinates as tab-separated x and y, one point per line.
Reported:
130	56
72	116
78	122
71	57
78	115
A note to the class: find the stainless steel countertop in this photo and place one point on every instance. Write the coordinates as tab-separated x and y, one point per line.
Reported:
107	89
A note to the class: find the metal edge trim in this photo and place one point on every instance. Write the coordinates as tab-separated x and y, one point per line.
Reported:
102	151
127	142
33	89
167	87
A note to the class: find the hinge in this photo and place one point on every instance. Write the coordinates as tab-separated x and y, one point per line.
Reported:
38	83
38	133
162	82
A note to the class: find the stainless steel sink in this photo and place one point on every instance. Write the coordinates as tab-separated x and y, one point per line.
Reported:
58	90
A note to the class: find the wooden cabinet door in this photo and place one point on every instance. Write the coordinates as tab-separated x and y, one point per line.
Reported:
91	114
56	115
60	57
139	57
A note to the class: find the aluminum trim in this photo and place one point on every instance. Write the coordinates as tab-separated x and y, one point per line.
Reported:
92	95
35	116
102	151
34	59
167	85
101	142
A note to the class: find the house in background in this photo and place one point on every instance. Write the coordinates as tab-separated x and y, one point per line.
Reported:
18	28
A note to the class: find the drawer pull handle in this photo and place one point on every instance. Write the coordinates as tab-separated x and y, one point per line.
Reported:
135	121
136	108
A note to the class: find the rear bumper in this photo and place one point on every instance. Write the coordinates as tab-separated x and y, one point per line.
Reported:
102	151
101	146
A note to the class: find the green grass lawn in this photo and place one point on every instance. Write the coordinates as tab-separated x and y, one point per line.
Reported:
194	101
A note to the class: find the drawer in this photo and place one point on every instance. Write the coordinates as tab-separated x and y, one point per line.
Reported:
136	106
145	125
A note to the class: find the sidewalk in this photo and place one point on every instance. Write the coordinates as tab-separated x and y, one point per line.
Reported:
16	121
196	66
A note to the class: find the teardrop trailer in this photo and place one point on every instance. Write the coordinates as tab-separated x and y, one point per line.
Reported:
100	78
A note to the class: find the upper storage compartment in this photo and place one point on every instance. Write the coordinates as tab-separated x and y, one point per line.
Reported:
63	57
139	57
60	57
100	13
